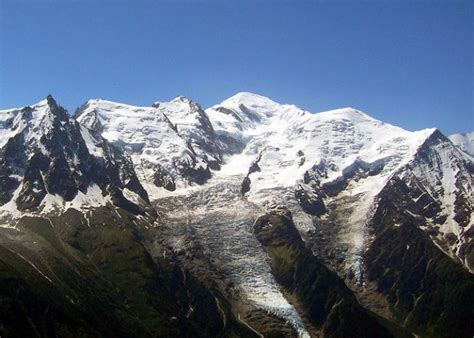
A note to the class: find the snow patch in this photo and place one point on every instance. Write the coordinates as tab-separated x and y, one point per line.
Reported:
93	145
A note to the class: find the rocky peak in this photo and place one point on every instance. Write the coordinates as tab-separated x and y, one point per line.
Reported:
193	125
89	115
47	158
446	174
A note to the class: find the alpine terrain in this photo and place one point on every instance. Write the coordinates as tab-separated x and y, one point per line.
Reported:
247	219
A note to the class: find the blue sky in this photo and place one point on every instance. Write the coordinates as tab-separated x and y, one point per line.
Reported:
409	63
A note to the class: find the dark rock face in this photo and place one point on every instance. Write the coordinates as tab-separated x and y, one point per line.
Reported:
229	112
428	290
245	185
34	188
302	158
430	293
403	200
164	179
466	249
252	169
251	115
12	158
309	194
329	304
213	165
9	185
197	175
208	142
310	201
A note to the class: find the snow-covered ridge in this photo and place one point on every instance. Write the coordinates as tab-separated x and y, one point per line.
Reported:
173	139
163	141
193	125
281	141
38	118
288	141
464	141
445	171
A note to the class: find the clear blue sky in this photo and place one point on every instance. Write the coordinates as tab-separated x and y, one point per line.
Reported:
408	63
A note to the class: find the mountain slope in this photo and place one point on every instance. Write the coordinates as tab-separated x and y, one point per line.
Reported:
329	304
193	125
67	276
330	169
464	141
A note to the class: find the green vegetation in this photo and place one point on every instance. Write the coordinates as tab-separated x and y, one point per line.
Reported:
74	278
329	304
428	290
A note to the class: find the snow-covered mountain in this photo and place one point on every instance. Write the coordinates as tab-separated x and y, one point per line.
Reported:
49	162
464	141
193	125
231	182
170	144
333	170
334	164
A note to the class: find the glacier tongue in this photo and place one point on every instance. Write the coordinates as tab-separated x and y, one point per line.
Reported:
220	220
